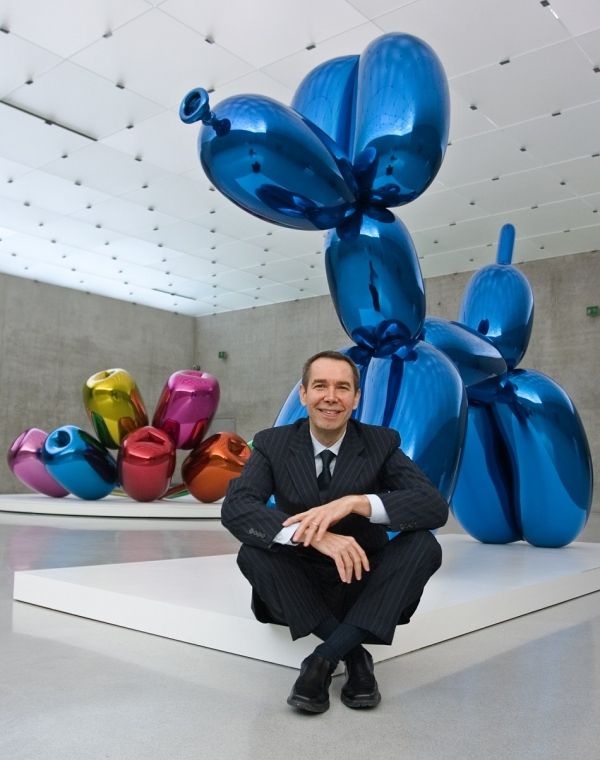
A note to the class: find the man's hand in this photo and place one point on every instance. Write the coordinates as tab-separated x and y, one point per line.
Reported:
349	556
315	522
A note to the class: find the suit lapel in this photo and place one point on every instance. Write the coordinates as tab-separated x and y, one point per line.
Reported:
349	463
301	466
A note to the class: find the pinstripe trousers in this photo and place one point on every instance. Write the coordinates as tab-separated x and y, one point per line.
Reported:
300	587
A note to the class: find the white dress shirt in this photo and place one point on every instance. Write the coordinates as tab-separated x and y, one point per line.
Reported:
378	511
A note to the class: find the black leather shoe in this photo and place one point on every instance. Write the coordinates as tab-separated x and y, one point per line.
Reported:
360	689
311	690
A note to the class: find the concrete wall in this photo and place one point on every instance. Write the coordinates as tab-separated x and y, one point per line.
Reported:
266	346
52	339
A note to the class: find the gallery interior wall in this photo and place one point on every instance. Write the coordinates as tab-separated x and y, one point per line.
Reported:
266	346
52	339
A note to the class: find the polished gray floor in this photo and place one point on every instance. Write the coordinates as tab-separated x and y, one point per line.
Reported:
73	688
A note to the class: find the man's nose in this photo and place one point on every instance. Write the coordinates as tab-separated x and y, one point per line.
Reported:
330	394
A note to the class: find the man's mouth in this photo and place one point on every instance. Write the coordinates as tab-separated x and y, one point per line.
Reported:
330	412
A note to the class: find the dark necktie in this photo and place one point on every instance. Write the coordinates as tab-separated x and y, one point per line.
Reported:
324	478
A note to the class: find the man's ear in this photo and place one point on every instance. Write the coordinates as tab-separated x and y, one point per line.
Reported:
356	399
302	394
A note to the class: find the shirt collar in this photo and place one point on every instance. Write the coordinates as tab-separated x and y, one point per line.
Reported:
318	446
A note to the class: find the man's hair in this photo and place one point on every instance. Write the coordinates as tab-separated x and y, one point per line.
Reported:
337	356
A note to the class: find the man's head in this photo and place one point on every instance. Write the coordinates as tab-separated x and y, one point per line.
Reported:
330	393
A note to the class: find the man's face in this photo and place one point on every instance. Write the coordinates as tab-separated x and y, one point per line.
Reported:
330	398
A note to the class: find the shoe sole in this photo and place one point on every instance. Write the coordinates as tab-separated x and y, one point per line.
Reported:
359	703
310	707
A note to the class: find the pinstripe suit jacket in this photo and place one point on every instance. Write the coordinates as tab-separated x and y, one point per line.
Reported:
369	461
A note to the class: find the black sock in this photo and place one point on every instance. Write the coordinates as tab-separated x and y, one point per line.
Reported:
344	639
326	627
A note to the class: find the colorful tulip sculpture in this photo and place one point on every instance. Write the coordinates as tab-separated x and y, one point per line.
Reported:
363	134
71	460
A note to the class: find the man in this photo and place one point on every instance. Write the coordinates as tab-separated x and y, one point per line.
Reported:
321	561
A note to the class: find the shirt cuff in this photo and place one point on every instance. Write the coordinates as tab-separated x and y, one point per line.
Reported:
379	514
285	534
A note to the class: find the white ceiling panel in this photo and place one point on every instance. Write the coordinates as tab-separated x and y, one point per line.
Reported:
73	232
163	140
470	34
582	175
21	61
64	26
106	169
168	62
100	108
195	268
191	238
238	280
578	15
299	24
464	121
292	69
515	191
534	84
482	157
254	82
132	212
176	195
43	190
129	218
283	271
291	243
467	234
16	216
11	170
31	141
564	243
572	134
590	44
134	250
436	210
237	223
371	9
552	217
279	293
243	254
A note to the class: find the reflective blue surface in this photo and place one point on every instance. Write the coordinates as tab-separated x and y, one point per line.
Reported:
526	470
549	455
376	285
475	357
327	96
498	303
402	117
419	393
482	501
271	162
362	135
79	463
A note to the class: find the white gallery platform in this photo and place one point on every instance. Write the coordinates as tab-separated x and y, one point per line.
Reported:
206	600
111	506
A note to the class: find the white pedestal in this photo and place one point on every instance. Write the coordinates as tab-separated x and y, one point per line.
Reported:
206	600
111	506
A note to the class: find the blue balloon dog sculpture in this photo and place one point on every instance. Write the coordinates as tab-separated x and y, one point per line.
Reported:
363	134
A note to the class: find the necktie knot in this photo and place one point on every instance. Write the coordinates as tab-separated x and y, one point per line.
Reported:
324	478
